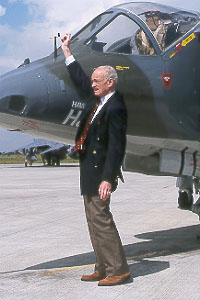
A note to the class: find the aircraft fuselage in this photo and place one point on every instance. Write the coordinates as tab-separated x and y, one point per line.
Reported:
161	92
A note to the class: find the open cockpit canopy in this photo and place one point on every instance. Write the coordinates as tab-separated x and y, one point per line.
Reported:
128	28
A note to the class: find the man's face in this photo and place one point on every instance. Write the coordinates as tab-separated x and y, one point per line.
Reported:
100	85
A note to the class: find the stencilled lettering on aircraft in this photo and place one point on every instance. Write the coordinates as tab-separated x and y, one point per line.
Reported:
120	68
72	119
188	40
76	104
31	124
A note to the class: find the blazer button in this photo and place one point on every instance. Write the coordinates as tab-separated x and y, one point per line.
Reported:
98	139
94	152
96	166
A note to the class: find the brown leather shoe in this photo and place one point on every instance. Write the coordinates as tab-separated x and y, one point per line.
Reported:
93	277
114	280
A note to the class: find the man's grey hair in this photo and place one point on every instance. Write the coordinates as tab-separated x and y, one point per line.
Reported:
110	72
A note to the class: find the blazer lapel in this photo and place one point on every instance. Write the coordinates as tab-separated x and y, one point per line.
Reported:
111	99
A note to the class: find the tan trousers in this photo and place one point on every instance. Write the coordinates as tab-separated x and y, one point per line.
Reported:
110	256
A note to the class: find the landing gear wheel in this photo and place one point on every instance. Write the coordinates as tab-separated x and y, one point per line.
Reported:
185	200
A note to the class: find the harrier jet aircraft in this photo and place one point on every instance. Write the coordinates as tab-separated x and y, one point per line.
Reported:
156	52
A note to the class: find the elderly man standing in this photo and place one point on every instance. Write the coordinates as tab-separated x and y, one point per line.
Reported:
100	141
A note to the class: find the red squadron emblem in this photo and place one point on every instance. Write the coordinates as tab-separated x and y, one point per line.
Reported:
167	79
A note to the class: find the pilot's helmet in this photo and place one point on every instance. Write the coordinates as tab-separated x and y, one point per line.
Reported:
155	18
152	19
151	13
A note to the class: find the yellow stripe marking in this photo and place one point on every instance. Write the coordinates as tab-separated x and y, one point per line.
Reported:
173	54
67	268
140	256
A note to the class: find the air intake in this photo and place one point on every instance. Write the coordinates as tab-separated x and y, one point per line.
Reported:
16	103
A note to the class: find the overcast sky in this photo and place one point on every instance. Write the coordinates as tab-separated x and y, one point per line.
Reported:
27	25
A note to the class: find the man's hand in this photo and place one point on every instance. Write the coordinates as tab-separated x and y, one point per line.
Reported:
66	40
105	190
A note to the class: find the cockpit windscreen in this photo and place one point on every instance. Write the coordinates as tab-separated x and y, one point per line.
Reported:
168	27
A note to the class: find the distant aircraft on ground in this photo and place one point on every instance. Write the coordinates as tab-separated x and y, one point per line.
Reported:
156	51
51	152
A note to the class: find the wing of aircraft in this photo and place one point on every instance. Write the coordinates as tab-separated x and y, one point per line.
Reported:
38	144
51	152
58	147
156	51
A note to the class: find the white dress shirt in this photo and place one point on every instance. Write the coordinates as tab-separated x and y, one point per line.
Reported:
69	60
102	102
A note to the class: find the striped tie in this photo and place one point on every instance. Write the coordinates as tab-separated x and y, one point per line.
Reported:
80	145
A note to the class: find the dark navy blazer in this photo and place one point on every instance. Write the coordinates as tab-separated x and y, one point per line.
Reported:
106	139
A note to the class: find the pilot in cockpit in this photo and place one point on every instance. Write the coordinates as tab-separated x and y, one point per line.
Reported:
164	30
158	27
